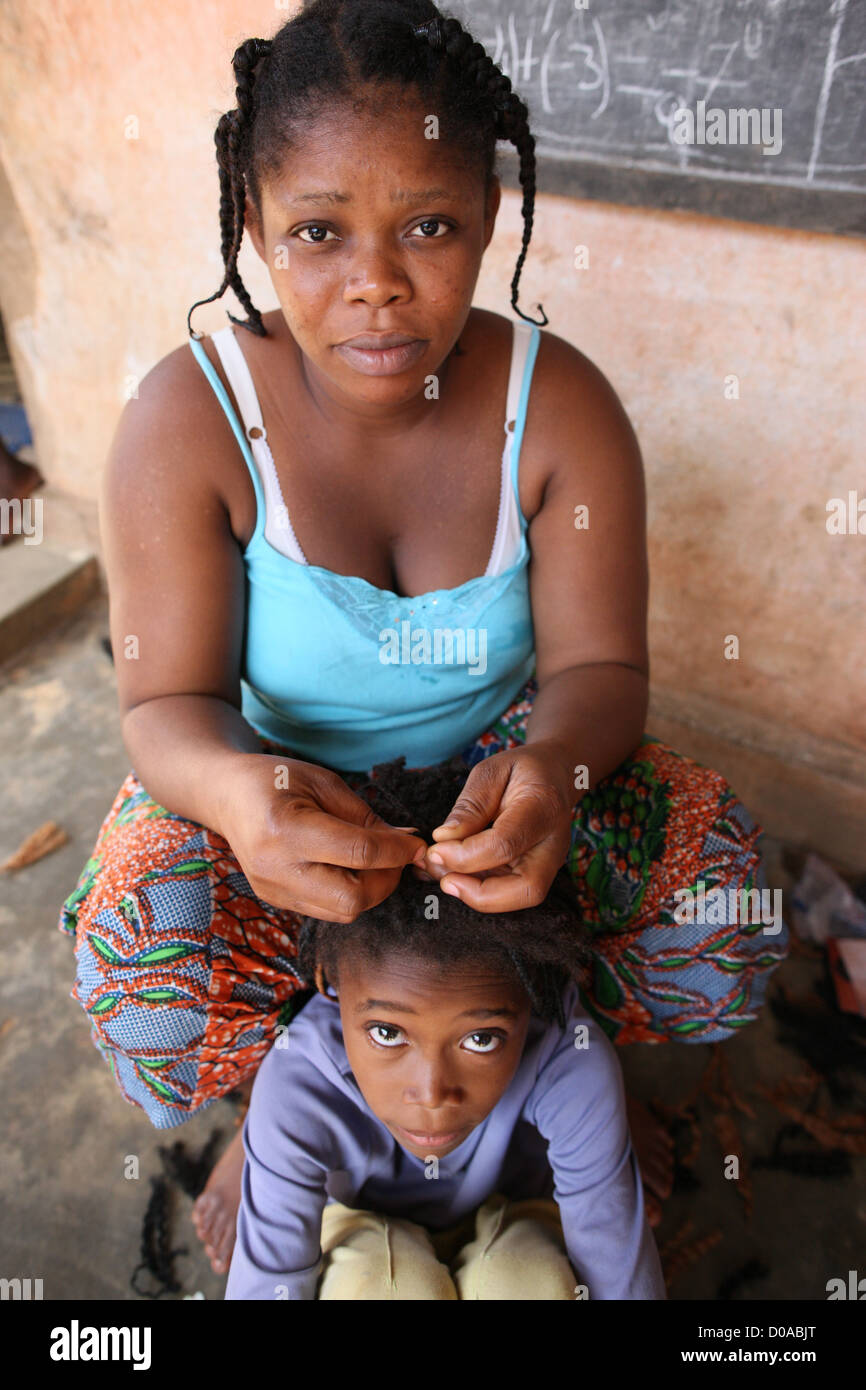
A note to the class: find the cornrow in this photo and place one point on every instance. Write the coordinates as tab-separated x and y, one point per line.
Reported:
543	946
331	48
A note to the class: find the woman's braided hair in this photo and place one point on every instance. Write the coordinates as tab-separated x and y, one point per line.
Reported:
332	48
543	946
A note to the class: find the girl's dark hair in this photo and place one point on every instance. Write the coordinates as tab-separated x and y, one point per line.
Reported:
331	49
543	946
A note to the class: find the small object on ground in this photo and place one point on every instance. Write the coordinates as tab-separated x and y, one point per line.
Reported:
157	1257
45	840
747	1274
847	959
804	1163
190	1171
679	1253
823	905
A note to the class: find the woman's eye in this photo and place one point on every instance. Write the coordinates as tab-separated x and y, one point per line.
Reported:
485	1042
432	222
384	1035
314	227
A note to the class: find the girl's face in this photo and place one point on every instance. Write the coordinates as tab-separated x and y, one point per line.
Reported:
372	228
432	1053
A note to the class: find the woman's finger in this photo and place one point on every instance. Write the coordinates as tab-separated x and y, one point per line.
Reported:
523	822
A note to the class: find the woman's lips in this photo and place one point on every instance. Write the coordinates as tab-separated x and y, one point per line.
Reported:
383	361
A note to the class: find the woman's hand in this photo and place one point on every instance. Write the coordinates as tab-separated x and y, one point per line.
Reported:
306	842
528	793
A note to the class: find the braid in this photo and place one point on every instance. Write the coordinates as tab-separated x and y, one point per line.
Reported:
232	140
512	119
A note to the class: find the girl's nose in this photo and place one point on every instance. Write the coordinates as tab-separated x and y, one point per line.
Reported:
430	1087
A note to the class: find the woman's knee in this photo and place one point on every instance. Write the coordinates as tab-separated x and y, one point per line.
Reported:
686	931
183	974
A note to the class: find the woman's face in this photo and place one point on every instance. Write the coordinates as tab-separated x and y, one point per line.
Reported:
373	228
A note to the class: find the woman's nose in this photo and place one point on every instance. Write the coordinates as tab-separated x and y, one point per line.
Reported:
376	277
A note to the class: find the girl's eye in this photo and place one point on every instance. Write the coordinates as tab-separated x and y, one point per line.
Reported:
314	227
384	1035
485	1042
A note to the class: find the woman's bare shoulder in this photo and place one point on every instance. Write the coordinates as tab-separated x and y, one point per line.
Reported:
575	417
173	433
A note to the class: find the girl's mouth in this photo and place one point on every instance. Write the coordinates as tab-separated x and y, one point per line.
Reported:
383	361
431	1141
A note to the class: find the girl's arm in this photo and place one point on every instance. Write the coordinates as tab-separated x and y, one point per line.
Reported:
578	1106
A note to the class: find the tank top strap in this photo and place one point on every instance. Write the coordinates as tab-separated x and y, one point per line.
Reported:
238	429
272	518
526	339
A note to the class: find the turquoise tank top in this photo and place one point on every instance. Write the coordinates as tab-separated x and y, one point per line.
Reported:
349	675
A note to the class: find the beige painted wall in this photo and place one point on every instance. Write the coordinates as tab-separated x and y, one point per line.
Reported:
106	241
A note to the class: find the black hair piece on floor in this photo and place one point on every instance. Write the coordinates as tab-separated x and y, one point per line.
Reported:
157	1256
832	1042
804	1163
748	1273
190	1171
542	946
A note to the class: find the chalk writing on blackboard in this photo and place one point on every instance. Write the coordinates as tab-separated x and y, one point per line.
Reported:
605	82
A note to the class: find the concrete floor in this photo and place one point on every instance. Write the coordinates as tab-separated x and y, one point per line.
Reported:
69	1216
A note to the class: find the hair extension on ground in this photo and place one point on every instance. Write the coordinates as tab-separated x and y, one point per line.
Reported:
833	1043
804	1163
335	52
747	1273
157	1256
190	1171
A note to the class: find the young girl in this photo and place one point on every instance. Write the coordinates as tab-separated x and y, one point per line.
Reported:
320	556
407	1141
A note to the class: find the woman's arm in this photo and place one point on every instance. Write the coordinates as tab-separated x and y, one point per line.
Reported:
176	585
177	594
588	587
588	574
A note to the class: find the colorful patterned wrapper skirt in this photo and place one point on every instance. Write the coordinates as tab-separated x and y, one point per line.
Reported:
185	974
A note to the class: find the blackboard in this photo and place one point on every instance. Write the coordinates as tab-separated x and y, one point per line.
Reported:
607	83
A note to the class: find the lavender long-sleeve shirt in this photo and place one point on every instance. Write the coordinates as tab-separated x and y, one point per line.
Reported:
559	1130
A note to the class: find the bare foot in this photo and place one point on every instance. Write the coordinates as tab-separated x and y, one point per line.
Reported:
215	1212
655	1155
